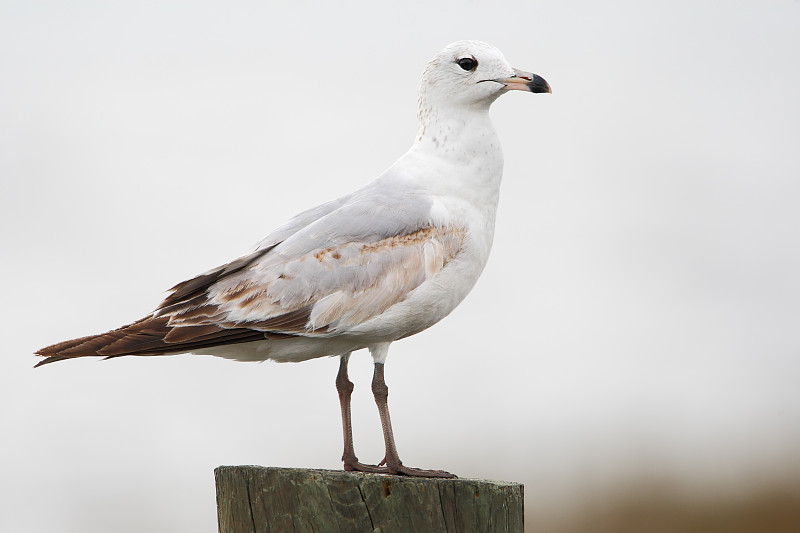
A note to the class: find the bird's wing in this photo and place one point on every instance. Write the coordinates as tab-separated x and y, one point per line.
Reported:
330	268
197	286
322	291
342	269
300	221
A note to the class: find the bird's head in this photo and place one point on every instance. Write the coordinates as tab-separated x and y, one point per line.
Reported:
473	74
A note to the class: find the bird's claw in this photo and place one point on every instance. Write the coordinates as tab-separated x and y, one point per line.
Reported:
395	467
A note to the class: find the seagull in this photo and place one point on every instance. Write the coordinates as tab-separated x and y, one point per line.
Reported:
362	271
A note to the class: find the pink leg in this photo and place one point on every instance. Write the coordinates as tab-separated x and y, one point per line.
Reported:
392	459
345	388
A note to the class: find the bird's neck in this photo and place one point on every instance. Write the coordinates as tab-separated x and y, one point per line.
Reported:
462	156
461	135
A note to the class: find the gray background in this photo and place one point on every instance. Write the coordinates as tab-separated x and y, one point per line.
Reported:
637	321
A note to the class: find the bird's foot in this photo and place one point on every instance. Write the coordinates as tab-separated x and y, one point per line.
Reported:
395	466
351	464
419	472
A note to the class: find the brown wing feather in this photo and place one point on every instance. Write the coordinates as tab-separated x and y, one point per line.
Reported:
197	286
230	337
149	336
292	322
154	335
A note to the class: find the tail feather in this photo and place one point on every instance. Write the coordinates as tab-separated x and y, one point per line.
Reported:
149	336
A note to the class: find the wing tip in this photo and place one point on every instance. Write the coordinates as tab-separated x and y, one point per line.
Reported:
49	359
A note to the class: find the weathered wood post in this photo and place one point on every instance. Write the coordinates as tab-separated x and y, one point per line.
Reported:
254	499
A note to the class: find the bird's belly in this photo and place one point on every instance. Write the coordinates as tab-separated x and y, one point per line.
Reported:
286	349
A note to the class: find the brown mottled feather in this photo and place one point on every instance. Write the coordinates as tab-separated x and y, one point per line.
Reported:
191	303
293	322
196	287
198	314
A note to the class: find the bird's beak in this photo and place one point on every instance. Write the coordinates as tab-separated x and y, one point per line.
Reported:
525	81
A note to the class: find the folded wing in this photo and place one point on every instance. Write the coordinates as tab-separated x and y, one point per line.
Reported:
324	291
274	293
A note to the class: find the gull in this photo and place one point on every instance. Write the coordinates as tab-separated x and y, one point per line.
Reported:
362	271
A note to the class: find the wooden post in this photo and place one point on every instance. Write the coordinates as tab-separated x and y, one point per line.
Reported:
255	499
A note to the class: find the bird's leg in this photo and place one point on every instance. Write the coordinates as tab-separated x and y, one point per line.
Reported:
392	459
345	388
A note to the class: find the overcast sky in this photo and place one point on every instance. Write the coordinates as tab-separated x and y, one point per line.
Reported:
638	317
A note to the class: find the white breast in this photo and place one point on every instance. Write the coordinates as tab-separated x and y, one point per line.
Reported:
463	184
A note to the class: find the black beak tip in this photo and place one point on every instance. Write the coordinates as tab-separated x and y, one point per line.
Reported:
539	85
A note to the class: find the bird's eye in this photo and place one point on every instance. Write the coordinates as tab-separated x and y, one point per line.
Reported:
467	63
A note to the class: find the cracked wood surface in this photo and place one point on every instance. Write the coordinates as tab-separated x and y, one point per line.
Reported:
255	499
